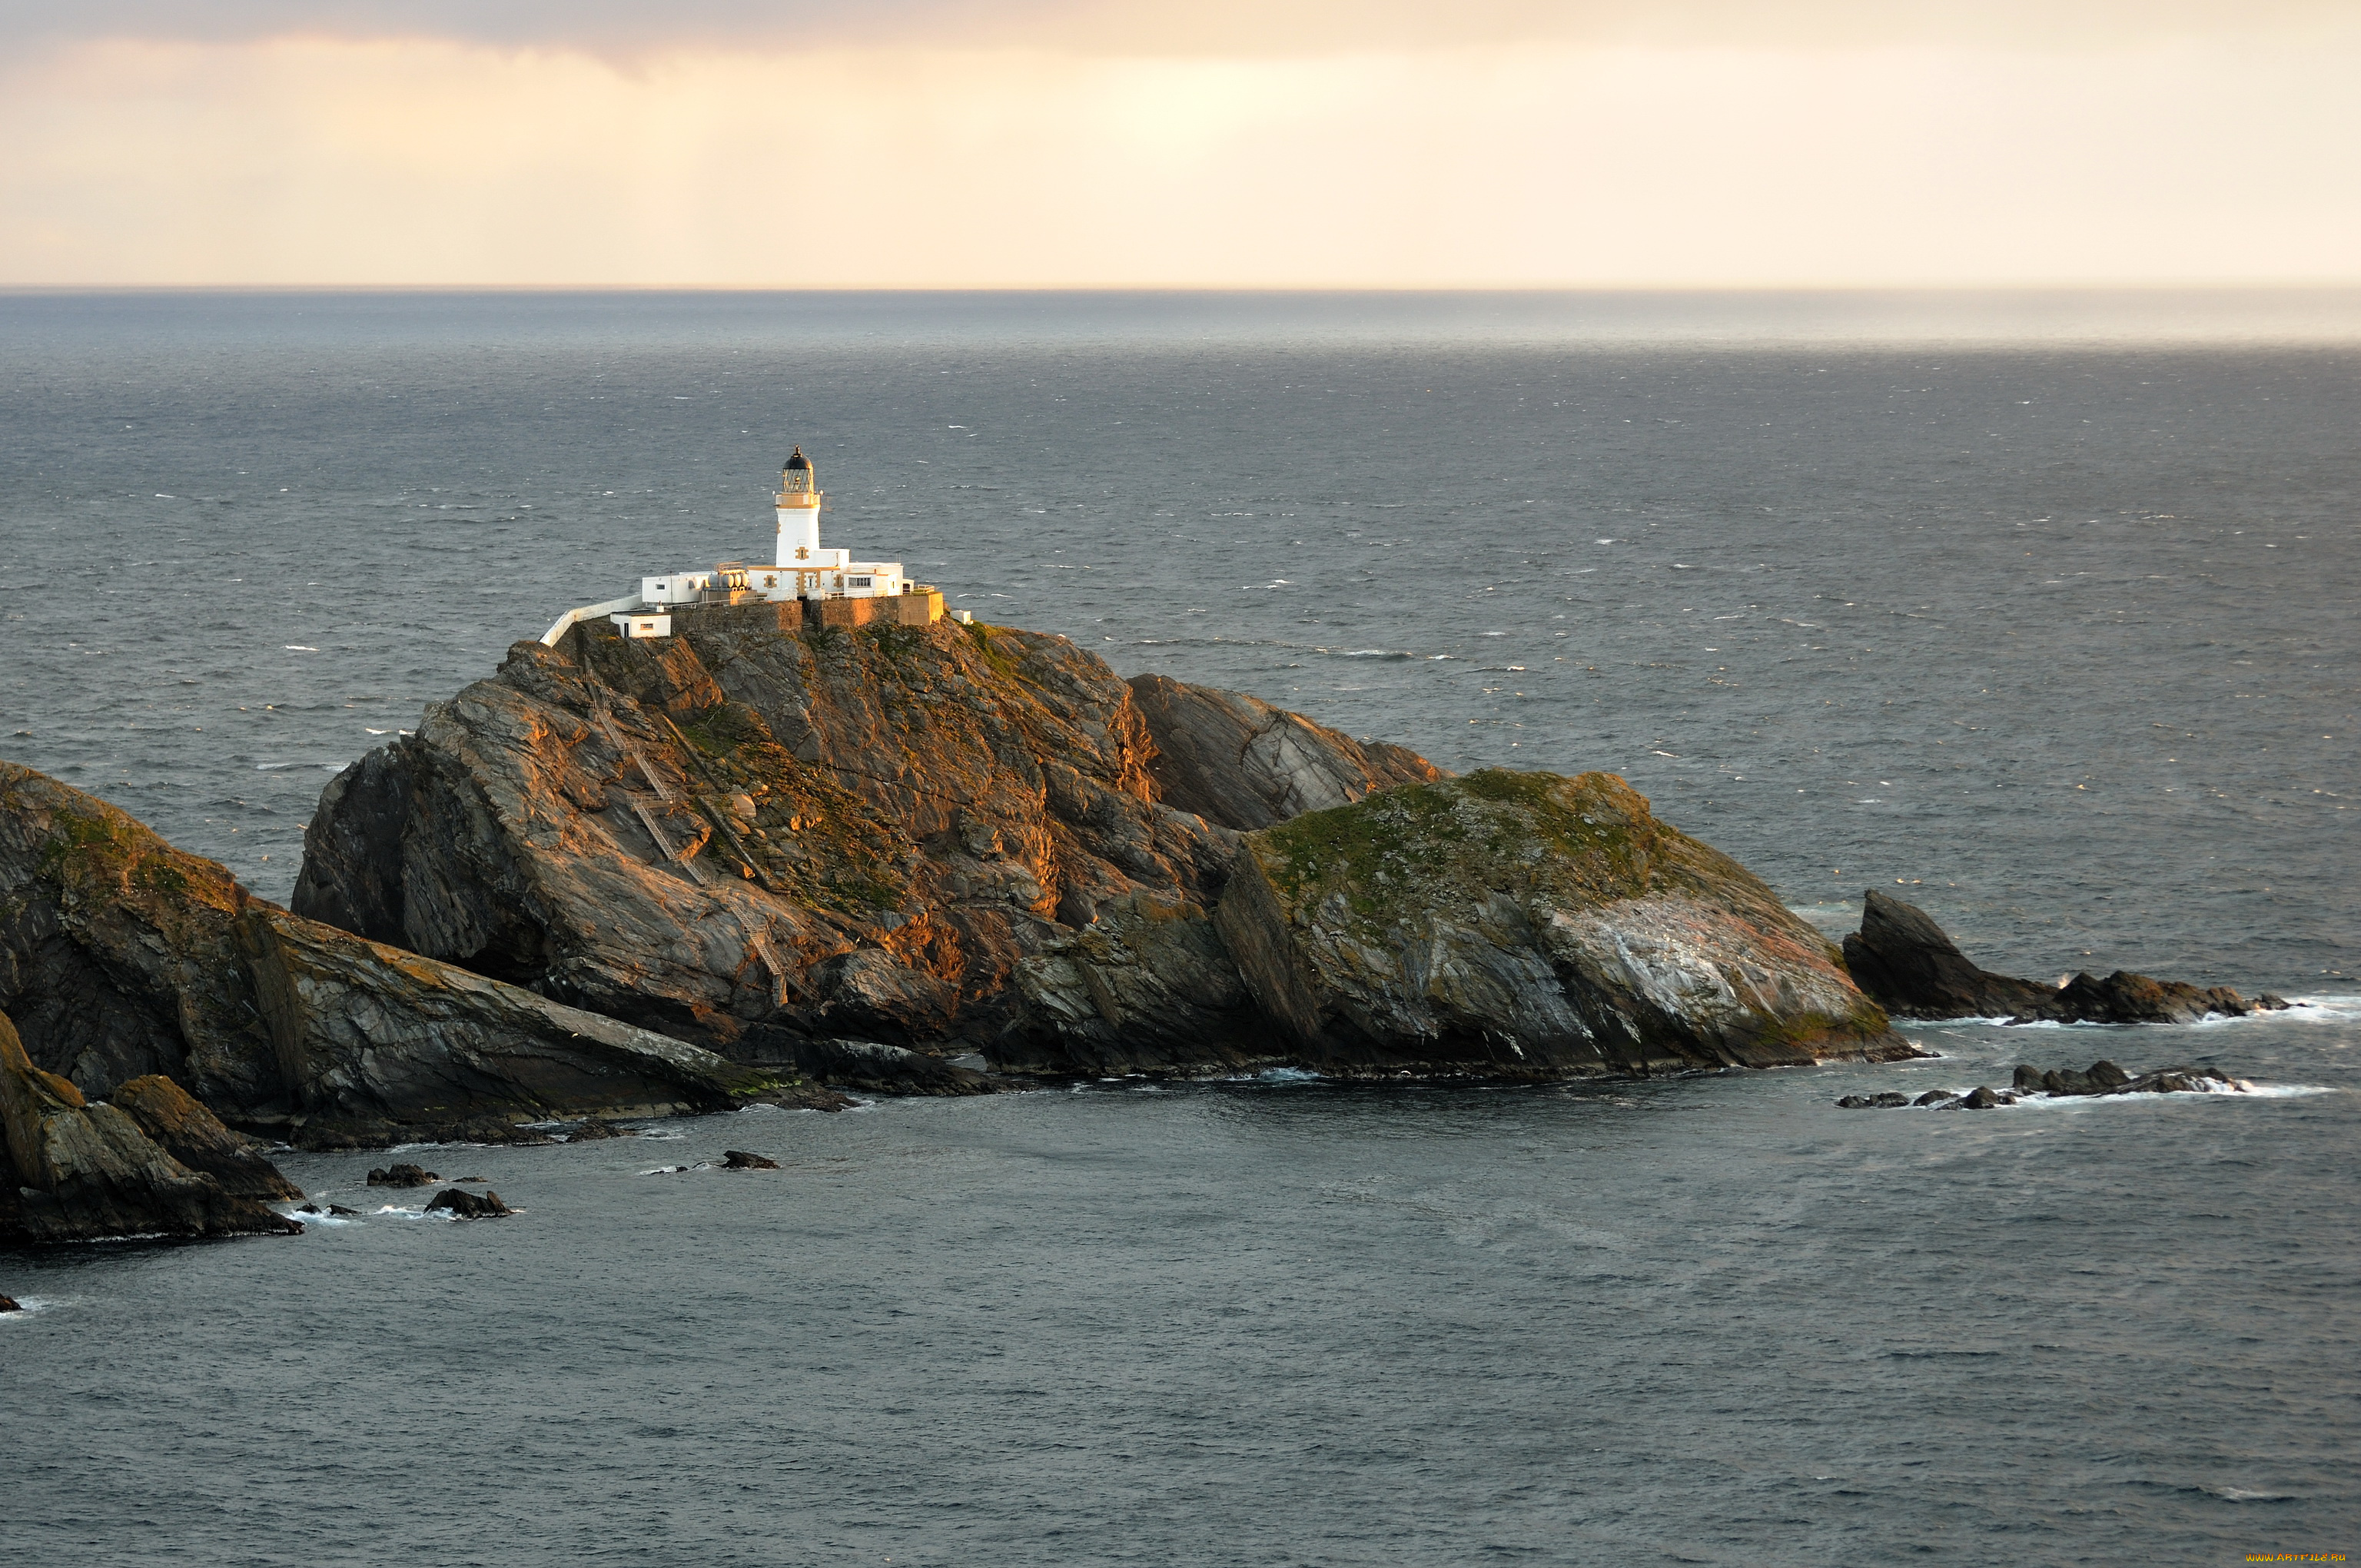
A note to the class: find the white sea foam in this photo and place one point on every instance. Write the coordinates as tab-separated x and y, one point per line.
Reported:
33	1305
2244	1090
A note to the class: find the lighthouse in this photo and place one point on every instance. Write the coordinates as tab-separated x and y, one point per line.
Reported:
798	506
828	581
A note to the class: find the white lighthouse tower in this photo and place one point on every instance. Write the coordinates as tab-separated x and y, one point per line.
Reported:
798	506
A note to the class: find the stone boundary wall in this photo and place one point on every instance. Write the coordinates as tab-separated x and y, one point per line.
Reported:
795	615
892	609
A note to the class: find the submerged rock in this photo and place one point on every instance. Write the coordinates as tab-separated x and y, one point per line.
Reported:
1901	957
461	1205
126	959
593	1130
739	1159
84	1171
1523	924
402	1175
2182	1080
2102	1077
1871	1102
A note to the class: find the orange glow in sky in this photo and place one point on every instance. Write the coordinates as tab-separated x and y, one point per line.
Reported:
946	152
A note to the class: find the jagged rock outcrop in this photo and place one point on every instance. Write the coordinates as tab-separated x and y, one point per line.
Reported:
402	1174
123	958
1903	960
1525	925
463	1205
801	847
182	1128
79	1171
1235	760
2102	1079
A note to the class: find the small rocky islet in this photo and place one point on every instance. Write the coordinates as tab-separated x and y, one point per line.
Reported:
759	862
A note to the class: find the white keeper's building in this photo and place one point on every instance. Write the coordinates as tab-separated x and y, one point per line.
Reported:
804	569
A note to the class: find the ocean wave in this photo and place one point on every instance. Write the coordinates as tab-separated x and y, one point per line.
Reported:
29	1306
2244	1092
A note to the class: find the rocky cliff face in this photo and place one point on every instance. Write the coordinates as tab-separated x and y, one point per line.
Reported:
1235	760
935	838
1525	925
122	958
82	1171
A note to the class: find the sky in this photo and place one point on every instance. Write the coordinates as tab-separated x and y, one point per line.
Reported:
1659	144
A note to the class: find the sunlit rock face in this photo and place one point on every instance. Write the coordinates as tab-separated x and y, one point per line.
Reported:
771	841
1525	925
864	853
122	958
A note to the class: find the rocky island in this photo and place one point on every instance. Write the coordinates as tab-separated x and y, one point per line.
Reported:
763	858
868	854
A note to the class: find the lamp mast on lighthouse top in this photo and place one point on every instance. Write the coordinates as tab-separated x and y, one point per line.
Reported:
798	506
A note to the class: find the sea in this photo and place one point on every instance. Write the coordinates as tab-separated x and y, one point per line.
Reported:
2037	611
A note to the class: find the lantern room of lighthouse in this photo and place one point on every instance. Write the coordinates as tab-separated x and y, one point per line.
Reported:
798	503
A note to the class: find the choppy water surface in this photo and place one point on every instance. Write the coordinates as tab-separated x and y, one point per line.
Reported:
2060	636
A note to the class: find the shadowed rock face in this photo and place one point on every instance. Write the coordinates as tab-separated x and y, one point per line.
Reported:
187	1132
125	957
1530	926
1237	760
937	839
1904	959
83	1171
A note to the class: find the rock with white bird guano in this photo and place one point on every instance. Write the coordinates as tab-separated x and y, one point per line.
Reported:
1530	926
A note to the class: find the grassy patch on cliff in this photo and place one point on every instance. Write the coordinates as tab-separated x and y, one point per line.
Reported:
94	848
1495	831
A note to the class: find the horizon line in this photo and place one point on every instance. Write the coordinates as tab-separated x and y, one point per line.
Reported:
2343	285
